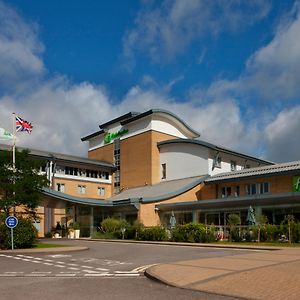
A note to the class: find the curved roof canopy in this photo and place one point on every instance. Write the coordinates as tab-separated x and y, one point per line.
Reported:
134	116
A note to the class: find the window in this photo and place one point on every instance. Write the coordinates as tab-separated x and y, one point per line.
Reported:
101	191
237	191
233	165
81	189
257	188
163	171
228	191
117	153
217	161
60	187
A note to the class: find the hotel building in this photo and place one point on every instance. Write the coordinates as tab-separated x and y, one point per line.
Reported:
145	166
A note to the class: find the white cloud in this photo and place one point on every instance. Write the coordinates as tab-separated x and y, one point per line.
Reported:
62	112
20	50
167	29
282	136
274	70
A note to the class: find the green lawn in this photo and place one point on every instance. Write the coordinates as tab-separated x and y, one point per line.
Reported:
45	245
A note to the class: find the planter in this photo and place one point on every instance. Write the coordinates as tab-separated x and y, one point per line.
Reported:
56	235
71	234
77	233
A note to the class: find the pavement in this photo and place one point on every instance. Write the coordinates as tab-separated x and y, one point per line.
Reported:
265	273
258	275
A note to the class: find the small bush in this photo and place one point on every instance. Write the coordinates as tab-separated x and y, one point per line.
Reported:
193	233
48	234
155	233
25	235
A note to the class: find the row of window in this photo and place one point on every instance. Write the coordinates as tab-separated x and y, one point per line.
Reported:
250	189
117	164
81	189
82	172
217	163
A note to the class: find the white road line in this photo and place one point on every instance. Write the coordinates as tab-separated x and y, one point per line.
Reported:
35	275
48	264
88	267
98	275
13	272
90	271
8	275
142	268
65	275
59	266
41	272
74	269
128	274
36	262
49	260
14	257
102	269
60	262
73	265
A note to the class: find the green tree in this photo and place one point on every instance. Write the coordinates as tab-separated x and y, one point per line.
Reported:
20	186
233	221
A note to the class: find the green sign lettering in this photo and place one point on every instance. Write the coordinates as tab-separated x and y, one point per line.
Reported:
109	136
296	184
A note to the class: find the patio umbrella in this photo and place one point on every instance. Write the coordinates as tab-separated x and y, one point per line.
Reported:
250	216
172	221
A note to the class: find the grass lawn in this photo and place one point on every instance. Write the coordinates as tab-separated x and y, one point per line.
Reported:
45	245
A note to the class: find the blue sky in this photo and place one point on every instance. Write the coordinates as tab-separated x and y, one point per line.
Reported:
231	69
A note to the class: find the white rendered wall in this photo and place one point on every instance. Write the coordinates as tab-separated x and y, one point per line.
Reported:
184	160
152	122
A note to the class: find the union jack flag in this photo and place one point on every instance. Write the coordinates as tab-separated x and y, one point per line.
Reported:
22	125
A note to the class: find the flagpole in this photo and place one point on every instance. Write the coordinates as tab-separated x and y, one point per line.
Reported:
14	151
14	140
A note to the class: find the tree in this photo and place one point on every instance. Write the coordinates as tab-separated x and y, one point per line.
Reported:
20	186
234	220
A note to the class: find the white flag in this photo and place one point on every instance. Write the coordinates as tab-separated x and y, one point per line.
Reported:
5	135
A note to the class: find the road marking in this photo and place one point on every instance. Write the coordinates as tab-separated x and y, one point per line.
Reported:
13	272
74	265
48	264
142	268
59	255
128	274
102	269
59	266
88	267
73	269
35	275
90	271
65	275
98	275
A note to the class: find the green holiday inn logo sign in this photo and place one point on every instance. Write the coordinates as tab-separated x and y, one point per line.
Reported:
110	136
296	184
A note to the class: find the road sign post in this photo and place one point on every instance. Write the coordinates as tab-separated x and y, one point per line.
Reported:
11	222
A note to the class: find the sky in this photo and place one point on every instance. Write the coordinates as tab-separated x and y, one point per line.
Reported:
228	68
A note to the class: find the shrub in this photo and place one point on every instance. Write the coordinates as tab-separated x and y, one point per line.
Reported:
155	233
193	233
25	235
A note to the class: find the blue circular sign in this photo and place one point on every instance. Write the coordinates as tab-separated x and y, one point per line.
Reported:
11	222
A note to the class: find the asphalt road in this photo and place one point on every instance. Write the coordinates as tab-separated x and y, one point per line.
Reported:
108	270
